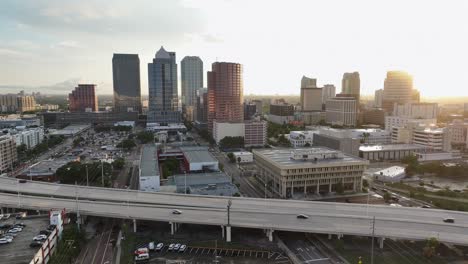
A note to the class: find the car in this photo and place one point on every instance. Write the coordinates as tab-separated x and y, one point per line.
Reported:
159	246
11	234
141	257
6	216
425	206
22	181
182	248
40	238
5	240
15	230
176	211
22	226
302	216
176	247
36	244
5	226
449	220
171	247
141	251
44	232
151	246
51	227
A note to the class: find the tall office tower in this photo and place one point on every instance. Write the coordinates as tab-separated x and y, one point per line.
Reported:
249	110
415	96
191	77
126	75
328	91
83	99
202	105
311	96
162	86
398	88
351	85
378	97
225	93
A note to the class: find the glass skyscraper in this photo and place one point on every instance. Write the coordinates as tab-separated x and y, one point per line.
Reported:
162	86
126	77
192	78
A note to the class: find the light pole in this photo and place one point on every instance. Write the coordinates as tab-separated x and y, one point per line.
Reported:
372	245
367	207
229	212
78	220
87	179
102	173
265	191
185	177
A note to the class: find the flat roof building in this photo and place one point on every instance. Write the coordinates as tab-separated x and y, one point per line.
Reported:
308	171
391	174
388	152
199	159
149	176
213	183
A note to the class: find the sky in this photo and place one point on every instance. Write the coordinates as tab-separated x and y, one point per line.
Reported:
50	46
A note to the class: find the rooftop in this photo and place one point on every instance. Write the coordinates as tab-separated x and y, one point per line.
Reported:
47	167
149	161
389	147
214	183
197	154
284	156
393	171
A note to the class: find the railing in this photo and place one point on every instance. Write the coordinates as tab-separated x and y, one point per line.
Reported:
44	254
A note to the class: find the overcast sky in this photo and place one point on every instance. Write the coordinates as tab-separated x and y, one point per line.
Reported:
43	43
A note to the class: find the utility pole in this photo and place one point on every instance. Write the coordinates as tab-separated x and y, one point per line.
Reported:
87	179
185	176
373	234
102	173
78	217
265	191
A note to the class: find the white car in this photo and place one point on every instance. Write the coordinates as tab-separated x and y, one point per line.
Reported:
159	246
176	247
144	256
5	240
171	247
39	238
15	230
182	248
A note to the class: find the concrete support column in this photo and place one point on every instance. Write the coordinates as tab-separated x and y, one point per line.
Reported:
339	236
172	228
270	234
381	240
228	233
330	236
305	188
134	226
318	188
330	187
222	231
354	185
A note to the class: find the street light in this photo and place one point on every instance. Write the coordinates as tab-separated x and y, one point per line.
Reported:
229	212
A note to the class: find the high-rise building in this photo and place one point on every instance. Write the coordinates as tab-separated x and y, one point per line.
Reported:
341	111
126	80
17	103
311	95
351	85
83	98
8	153
328	91
192	78
378	97
258	106
249	110
162	87
225	93
398	88
202	105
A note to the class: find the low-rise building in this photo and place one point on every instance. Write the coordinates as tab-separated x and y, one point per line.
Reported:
8	153
388	152
149	176
342	111
45	170
397	121
71	130
199	159
243	156
391	174
365	136
311	117
300	139
254	132
213	183
125	123
346	145
281	113
308	171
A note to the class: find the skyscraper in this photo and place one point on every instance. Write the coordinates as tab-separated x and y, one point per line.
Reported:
328	91
351	85
398	88
83	98
162	87
126	80
225	93
311	95
191	77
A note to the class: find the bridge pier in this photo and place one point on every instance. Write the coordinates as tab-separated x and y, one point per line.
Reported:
339	236
269	233
330	187
381	240
228	233
329	236
134	226
222	231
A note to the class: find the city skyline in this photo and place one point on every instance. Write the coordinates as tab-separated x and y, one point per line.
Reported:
77	46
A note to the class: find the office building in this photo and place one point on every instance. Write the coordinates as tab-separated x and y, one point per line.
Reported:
250	110
281	113
225	93
378	97
126	81
258	106
20	102
436	139
349	146
59	119
202	105
416	110
398	88
374	116
310	118
162	87
328	91
365	136
458	133
351	85
29	137
83	99
388	152
289	173
342	111
191	68
397	121
8	154
253	132
311	95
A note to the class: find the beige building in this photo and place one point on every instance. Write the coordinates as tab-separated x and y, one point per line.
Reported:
17	103
342	111
311	95
303	171
8	155
253	132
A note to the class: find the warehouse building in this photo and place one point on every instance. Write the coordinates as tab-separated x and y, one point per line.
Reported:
149	176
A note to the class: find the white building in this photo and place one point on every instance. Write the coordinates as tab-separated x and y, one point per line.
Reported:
391	174
416	110
243	156
149	176
199	159
366	136
30	137
254	132
397	121
301	138
341	111
437	139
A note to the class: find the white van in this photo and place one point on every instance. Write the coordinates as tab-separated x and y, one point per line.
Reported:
141	257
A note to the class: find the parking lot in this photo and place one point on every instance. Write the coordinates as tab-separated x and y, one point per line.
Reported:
19	252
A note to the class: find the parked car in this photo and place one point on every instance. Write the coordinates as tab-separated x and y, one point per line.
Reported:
151	246
15	230
171	247
182	248
36	244
40	238
141	251
5	240
159	246
44	232
141	257
176	247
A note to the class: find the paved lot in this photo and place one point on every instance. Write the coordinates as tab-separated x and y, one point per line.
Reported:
304	250
19	252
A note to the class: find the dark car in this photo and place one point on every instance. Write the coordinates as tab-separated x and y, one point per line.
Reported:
302	216
51	227
44	232
22	181
36	244
449	220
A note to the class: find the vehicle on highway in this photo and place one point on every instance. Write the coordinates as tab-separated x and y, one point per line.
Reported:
425	206
36	244
22	181
142	257
449	220
176	247
5	240
302	216
182	248
171	247
177	212
40	238
159	246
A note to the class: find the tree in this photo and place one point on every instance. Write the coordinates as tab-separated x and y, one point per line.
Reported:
119	163
365	183
387	197
127	144
239	159
431	246
231	157
145	137
232	142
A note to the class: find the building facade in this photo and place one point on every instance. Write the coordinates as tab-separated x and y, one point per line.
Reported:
30	137
191	68
342	111
398	88
83	99
301	139
8	153
328	91
17	103
225	93
162	87
311	95
416	110
126	81
351	85
306	171
250	110
202	105
253	132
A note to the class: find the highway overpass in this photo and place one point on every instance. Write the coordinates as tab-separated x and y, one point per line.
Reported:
268	214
